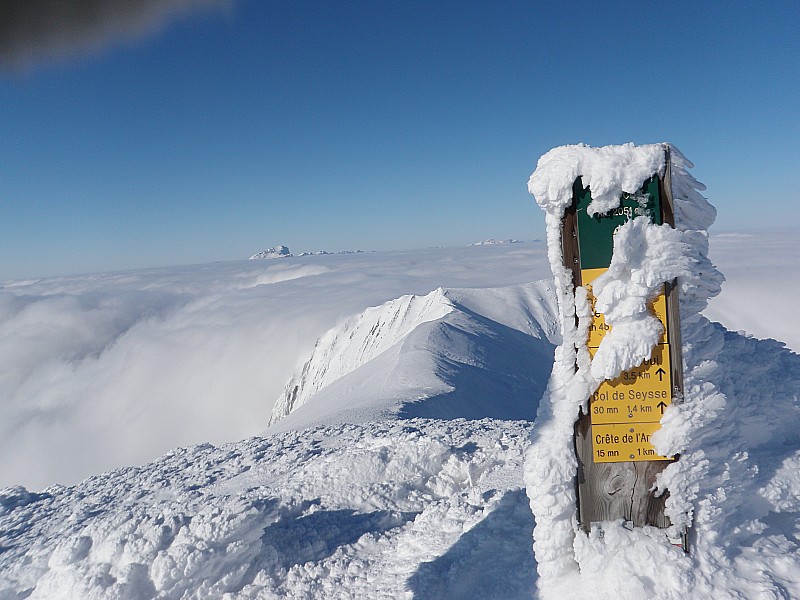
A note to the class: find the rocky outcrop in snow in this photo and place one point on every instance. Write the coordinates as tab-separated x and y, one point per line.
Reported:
276	252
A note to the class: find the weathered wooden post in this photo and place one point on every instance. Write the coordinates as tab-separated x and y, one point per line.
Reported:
617	464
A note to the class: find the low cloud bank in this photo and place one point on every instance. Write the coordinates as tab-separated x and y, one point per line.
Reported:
104	371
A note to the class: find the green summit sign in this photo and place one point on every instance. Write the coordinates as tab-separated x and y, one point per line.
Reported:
596	233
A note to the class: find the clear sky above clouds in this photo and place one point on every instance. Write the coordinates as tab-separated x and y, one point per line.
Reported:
197	132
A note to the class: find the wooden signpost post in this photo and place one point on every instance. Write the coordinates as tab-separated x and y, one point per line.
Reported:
617	464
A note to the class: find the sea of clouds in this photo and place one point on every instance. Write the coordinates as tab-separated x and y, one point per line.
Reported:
102	371
108	370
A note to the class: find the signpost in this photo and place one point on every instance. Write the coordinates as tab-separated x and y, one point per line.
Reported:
617	463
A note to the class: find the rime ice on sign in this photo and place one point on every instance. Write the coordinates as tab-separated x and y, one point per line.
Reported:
645	255
599	328
638	395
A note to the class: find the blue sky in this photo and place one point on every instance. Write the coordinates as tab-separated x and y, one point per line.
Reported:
378	125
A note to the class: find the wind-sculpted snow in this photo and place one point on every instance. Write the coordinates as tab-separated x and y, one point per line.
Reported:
609	170
739	437
359	340
373	501
429	509
418	508
431	356
139	362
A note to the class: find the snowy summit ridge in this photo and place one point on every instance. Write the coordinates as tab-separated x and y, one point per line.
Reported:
358	340
436	355
494	242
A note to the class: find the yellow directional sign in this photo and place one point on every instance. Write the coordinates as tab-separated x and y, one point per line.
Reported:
638	395
599	328
624	442
627	409
624	413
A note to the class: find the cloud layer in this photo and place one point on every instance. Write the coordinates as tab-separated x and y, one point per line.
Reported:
103	371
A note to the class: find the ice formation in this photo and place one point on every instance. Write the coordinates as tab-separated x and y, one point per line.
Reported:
640	563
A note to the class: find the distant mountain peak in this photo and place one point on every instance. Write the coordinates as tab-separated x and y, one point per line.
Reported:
276	252
493	242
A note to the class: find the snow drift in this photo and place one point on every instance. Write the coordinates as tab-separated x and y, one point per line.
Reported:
426	508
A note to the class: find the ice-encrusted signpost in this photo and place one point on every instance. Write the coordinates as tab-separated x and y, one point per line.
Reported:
631	378
626	238
617	463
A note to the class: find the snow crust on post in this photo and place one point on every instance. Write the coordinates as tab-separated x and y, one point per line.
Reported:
609	171
645	255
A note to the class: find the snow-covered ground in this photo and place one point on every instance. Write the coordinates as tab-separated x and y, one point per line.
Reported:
374	485
426	508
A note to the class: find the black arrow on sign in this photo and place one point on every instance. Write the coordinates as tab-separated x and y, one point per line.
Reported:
661	372
662	406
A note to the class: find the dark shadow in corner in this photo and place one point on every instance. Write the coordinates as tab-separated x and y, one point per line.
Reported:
492	561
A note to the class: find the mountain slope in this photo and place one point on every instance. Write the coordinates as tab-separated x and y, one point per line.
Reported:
140	362
353	495
430	356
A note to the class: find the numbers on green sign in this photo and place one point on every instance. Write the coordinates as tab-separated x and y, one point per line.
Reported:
596	233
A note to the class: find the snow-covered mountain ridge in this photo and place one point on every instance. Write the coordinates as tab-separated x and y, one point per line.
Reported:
402	508
276	252
411	356
356	342
282	251
189	354
493	241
